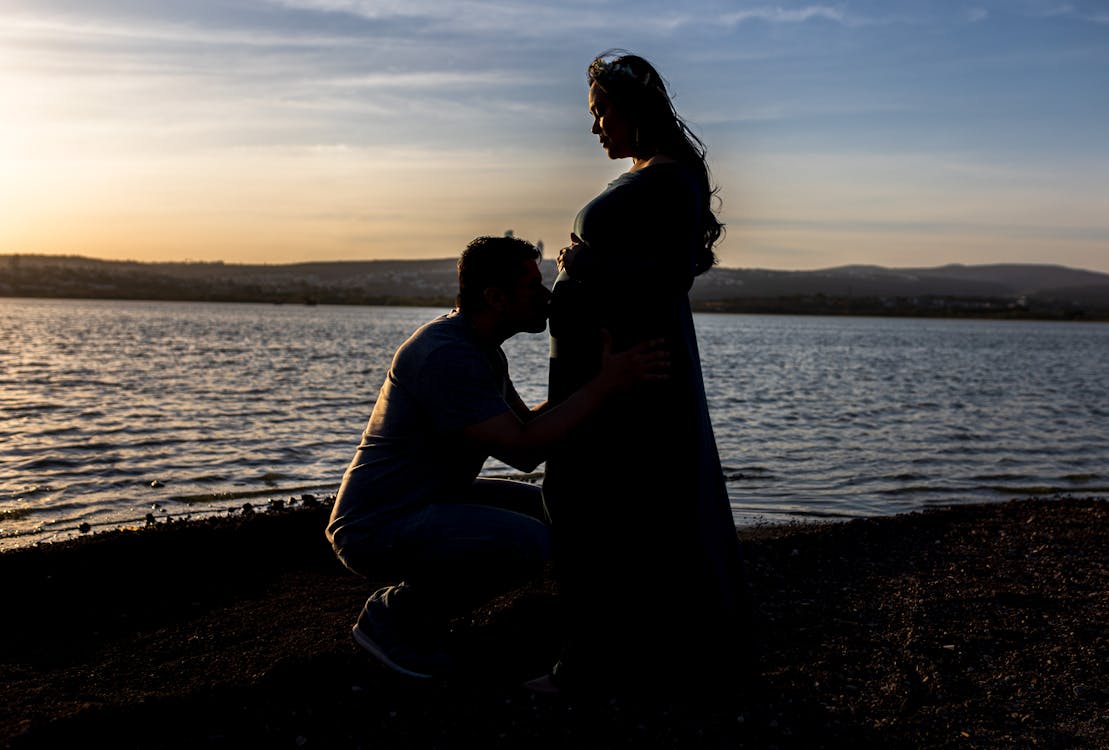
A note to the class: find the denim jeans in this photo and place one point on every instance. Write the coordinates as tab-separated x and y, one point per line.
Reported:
447	558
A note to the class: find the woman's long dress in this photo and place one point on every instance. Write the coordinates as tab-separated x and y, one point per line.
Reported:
646	551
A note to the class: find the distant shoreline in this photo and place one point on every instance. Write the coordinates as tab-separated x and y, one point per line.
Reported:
823	306
1005	291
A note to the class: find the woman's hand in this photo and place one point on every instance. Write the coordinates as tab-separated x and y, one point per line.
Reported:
566	254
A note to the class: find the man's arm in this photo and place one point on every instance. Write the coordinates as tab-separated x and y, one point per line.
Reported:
523	440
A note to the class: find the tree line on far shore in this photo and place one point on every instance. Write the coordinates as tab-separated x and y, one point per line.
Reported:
947	292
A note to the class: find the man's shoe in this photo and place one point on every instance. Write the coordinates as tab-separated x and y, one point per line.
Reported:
544	685
397	655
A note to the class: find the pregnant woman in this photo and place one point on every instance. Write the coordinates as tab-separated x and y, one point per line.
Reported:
645	546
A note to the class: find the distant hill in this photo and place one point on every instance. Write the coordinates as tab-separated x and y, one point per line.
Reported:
1000	290
1010	290
340	282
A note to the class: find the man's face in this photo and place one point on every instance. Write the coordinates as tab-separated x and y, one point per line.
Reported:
527	299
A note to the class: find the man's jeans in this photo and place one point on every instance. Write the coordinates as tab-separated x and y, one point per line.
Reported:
448	558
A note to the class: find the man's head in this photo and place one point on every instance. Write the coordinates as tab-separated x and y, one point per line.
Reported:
500	276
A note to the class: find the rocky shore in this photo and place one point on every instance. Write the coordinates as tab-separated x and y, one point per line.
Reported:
976	626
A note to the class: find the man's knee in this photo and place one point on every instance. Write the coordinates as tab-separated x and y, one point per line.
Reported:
509	494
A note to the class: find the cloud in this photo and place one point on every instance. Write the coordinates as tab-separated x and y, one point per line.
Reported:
364	8
783	15
1092	12
459	19
56	31
435	79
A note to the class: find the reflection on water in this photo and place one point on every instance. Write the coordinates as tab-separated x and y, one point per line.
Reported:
849	416
110	411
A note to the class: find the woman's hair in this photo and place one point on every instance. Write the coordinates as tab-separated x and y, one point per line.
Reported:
639	91
491	262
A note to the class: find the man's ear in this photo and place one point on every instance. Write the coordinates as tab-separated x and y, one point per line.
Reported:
494	298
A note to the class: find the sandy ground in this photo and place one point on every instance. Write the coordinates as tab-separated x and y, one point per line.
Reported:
979	626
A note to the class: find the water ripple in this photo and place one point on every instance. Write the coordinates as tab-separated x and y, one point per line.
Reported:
115	410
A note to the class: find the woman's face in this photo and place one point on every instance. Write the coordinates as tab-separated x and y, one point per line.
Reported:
610	125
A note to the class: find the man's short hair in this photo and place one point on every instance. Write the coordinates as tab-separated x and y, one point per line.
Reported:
491	262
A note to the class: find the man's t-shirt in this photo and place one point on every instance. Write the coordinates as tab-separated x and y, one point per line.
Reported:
412	452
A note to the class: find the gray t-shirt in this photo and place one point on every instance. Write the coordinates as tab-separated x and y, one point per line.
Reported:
412	453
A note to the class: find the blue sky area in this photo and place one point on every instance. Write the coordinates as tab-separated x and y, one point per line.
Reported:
889	133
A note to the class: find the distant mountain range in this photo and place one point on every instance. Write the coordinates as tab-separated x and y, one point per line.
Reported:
1010	289
1000	290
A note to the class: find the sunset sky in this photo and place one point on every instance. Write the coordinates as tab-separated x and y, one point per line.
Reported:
276	131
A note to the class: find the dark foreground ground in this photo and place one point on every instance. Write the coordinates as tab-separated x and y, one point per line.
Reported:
966	627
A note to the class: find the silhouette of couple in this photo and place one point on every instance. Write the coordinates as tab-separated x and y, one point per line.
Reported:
633	508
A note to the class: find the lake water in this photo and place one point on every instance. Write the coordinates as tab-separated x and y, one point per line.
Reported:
112	412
